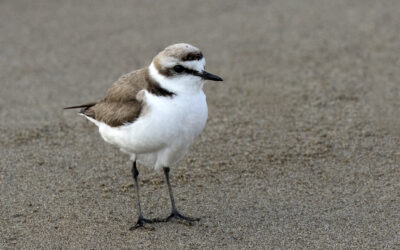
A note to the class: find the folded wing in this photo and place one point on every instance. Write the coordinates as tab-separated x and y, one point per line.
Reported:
120	106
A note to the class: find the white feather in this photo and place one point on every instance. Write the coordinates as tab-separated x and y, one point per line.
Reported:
185	84
162	136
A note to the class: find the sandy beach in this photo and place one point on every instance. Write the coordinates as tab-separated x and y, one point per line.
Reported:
301	149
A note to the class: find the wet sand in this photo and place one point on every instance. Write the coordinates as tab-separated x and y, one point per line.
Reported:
301	149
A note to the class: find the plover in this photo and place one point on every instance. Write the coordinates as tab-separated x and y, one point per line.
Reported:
153	114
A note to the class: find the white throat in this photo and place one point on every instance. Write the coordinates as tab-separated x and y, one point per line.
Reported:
187	84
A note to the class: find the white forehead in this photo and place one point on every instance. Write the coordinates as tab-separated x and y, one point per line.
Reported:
195	64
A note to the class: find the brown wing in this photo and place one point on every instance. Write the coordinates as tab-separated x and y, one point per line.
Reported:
115	113
120	106
127	86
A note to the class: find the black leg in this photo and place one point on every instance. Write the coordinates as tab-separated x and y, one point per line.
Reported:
174	213
141	220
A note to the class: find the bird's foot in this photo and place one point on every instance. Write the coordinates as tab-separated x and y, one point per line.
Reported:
141	222
181	218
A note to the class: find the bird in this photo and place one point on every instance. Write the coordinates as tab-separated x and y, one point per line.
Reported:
154	114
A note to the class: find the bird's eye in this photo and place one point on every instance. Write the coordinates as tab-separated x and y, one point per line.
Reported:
179	68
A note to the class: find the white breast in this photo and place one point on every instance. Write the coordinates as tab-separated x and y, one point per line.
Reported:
162	136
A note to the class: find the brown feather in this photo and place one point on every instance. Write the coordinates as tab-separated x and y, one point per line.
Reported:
121	106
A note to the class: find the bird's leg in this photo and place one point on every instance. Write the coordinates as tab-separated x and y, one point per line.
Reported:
141	220
174	212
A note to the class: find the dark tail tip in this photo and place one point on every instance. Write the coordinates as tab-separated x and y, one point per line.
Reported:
88	105
73	107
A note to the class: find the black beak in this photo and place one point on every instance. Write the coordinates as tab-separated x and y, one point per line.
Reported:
208	76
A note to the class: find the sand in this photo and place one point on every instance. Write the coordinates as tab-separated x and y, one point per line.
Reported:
301	149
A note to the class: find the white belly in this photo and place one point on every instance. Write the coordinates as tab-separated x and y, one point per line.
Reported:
162	136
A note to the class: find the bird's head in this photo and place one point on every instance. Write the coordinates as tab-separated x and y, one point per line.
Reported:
180	68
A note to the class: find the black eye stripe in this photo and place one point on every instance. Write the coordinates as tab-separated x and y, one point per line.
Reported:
188	71
191	72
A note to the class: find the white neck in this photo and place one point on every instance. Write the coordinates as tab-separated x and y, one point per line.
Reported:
187	84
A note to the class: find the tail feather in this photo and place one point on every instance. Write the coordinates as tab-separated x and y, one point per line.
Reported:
84	106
